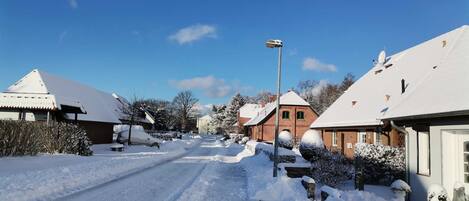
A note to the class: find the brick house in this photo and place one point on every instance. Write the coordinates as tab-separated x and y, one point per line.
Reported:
354	117
296	115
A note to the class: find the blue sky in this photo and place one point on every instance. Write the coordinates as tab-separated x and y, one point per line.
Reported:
156	48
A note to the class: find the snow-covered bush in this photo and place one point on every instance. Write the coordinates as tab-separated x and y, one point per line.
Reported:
19	138
311	145
244	140
236	137
380	164
331	168
285	140
436	193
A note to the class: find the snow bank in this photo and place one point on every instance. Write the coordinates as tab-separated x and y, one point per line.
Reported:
262	186
285	155
256	147
332	192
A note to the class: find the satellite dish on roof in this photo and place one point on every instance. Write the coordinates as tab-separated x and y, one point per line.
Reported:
382	57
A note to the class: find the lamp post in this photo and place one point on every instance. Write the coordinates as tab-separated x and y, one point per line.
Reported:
276	44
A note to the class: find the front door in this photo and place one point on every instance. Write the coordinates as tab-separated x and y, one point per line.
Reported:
455	159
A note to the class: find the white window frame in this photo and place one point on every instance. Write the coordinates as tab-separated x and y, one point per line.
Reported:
376	140
334	138
361	138
423	153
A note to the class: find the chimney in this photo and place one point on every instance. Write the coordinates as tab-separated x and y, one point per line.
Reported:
403	86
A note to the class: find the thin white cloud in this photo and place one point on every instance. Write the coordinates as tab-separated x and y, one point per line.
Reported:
211	86
193	33
203	109
310	63
73	4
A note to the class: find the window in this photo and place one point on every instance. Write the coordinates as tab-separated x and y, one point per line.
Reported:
377	138
361	137
285	115
300	115
334	138
423	153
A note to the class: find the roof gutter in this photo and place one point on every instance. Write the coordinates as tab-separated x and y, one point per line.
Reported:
407	161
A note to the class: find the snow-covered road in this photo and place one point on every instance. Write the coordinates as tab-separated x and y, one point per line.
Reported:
196	176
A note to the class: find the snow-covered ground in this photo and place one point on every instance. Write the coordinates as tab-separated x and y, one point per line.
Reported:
189	169
48	177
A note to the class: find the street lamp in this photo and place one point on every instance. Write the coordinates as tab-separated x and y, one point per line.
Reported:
276	44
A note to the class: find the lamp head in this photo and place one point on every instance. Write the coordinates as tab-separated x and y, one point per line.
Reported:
274	43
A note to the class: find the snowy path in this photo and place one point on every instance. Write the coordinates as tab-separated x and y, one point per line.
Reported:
196	176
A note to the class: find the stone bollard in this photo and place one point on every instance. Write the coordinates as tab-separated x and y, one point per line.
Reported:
328	192
310	185
359	180
400	189
459	193
437	193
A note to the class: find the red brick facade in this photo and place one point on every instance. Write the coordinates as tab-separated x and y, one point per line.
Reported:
265	130
347	138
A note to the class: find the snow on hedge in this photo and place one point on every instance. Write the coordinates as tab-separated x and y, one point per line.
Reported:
311	145
379	161
312	138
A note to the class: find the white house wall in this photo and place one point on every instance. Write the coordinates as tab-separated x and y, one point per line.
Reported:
420	183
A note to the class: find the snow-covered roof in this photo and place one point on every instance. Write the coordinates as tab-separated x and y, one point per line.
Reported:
37	101
249	110
290	98
100	106
443	89
434	73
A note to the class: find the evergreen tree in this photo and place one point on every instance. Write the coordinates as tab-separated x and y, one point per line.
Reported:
217	118
231	112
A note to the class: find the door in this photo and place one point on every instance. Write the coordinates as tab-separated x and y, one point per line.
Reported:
455	159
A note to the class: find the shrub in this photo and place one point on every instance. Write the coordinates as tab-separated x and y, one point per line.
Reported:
311	145
380	164
331	168
285	140
19	138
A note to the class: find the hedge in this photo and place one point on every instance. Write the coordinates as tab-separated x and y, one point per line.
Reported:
19	138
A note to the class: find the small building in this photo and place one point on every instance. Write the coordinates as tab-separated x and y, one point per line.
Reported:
203	124
40	96
422	92
296	115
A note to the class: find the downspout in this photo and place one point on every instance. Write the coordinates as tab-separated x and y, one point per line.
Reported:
407	161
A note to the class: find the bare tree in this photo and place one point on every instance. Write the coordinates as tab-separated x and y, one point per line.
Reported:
183	105
131	110
322	94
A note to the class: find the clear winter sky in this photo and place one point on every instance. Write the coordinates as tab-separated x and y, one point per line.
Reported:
156	48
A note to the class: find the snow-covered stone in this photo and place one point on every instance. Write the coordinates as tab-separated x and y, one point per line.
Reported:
400	185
